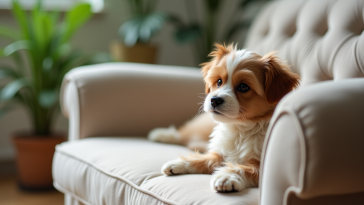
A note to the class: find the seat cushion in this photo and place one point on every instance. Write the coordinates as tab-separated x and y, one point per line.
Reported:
127	171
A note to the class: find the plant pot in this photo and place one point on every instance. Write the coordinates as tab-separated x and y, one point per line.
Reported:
139	53
34	160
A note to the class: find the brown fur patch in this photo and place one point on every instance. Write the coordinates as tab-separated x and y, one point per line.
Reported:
214	74
278	79
204	163
250	170
254	105
221	50
217	54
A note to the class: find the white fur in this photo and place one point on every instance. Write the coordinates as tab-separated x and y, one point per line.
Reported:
230	108
239	142
224	181
234	59
178	166
165	135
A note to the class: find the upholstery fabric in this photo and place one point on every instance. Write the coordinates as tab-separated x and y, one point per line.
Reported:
121	99
127	171
315	144
321	40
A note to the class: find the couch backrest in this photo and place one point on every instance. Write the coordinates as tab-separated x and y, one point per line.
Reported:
321	39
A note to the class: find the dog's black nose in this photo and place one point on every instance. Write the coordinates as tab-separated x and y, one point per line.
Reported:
216	101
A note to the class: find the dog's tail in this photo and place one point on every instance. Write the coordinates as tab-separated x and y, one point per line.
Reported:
165	135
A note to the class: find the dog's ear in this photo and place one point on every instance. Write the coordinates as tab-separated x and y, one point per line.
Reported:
205	69
279	80
219	51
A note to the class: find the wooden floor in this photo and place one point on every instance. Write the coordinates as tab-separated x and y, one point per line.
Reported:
10	194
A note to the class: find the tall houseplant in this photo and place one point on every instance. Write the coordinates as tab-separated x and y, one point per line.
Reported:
202	34
41	55
136	33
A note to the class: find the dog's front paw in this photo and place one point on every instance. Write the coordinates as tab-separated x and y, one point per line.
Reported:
175	167
227	182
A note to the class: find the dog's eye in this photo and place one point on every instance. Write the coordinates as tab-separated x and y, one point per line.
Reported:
243	88
219	83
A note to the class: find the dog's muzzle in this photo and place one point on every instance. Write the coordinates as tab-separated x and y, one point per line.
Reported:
216	101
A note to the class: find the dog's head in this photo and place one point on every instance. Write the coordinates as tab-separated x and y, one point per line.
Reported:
242	85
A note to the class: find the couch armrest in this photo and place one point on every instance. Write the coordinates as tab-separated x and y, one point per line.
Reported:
315	144
128	99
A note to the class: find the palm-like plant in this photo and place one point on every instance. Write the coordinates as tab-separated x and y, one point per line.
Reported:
203	34
41	56
144	22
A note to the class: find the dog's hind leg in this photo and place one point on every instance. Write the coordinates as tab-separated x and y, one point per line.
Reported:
165	135
194	134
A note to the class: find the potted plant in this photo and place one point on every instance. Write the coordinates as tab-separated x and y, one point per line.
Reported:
136	33
203	34
41	56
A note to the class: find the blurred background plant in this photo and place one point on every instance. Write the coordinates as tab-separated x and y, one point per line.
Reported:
41	55
144	22
203	34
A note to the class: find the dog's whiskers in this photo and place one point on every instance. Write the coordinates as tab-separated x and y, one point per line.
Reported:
200	109
202	95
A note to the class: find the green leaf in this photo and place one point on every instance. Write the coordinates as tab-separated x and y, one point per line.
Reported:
9	33
62	51
8	73
20	64
54	16
21	18
141	28
13	88
77	16
16	46
150	25
71	61
47	64
48	98
188	34
129	31
37	26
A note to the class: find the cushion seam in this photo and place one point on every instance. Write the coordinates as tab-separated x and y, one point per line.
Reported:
119	177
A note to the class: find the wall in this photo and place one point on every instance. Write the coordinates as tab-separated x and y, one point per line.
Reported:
96	36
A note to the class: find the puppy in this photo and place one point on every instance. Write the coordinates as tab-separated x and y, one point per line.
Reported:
243	89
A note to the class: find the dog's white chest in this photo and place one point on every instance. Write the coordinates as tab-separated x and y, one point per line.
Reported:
238	143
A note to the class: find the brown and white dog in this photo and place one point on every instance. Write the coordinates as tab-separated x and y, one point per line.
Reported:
243	89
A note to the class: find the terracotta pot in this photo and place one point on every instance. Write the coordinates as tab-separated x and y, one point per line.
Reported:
140	53
34	160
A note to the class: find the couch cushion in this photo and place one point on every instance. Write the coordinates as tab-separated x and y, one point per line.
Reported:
127	171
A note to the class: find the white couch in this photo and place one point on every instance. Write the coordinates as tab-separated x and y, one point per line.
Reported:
314	148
